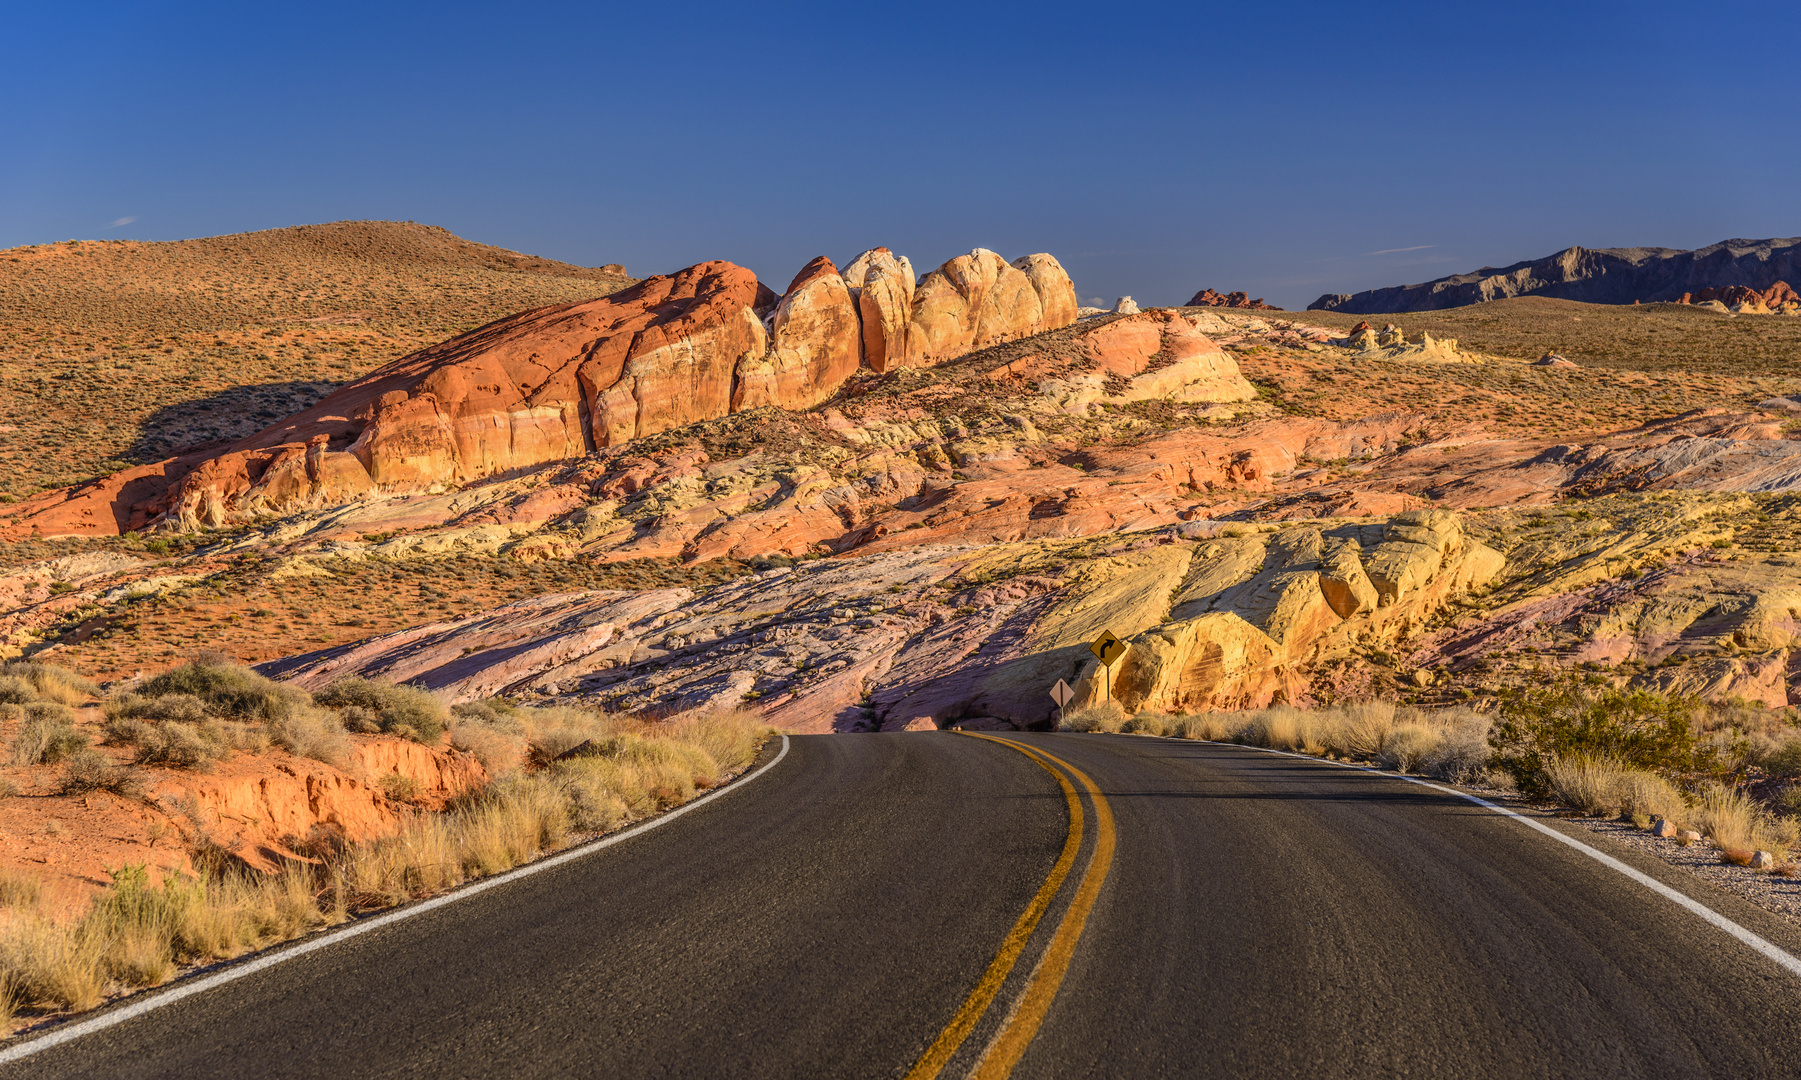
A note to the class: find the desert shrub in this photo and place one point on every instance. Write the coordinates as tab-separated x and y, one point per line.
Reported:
45	963
1148	723
498	751
1279	727
1644	796
1107	716
407	711
1637	728
479	711
553	730
176	708
16	691
1361	729
228	688
360	720
189	746
1462	755
47	735
7	788
312	733
400	788
1588	784
730	738
90	771
1210	727
1407	746
50	682
1784	757
176	730
1737	823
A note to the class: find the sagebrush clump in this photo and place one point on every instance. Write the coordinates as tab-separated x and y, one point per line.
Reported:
370	706
212	706
46	734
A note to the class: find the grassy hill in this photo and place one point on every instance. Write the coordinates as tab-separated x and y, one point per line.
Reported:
116	352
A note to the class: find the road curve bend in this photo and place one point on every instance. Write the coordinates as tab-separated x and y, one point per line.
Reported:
937	904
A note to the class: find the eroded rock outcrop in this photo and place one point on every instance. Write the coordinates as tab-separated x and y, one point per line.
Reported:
1592	276
541	386
1244	629
882	284
930	634
1209	298
969	303
557	383
1778	298
815	344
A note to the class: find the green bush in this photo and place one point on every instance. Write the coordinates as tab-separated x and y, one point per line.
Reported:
228	688
1785	760
1639	729
407	711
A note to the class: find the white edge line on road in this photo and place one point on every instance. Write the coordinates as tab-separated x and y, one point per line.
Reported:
58	1036
1763	946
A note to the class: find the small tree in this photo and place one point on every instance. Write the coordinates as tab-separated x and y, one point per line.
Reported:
1639	728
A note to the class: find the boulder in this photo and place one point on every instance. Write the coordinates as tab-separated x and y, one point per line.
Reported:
1414	548
1664	828
1763	860
1126	306
885	304
815	344
1344	584
969	303
1056	293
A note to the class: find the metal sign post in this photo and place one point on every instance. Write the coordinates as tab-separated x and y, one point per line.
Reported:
1061	694
1108	650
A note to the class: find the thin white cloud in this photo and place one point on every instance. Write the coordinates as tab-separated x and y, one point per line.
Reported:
1397	251
122	221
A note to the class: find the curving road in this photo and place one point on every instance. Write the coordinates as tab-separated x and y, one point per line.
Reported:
1034	906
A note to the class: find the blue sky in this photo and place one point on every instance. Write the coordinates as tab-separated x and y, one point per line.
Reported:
1285	149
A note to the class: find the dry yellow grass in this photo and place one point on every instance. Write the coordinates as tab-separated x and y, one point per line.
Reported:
139	934
1604	787
1448	744
1740	826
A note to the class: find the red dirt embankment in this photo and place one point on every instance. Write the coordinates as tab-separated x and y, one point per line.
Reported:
257	807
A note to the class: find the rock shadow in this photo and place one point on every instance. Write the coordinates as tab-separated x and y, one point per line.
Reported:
220	418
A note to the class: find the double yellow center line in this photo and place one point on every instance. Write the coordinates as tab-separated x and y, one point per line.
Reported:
1017	1032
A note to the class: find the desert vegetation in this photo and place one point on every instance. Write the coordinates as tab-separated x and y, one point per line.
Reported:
1729	772
556	775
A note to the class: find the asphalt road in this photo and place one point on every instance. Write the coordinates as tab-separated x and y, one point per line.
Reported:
1219	912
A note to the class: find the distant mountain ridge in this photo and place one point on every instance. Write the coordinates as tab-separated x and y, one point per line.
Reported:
1594	276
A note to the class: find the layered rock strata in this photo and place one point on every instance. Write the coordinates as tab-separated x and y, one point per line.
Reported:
931	636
